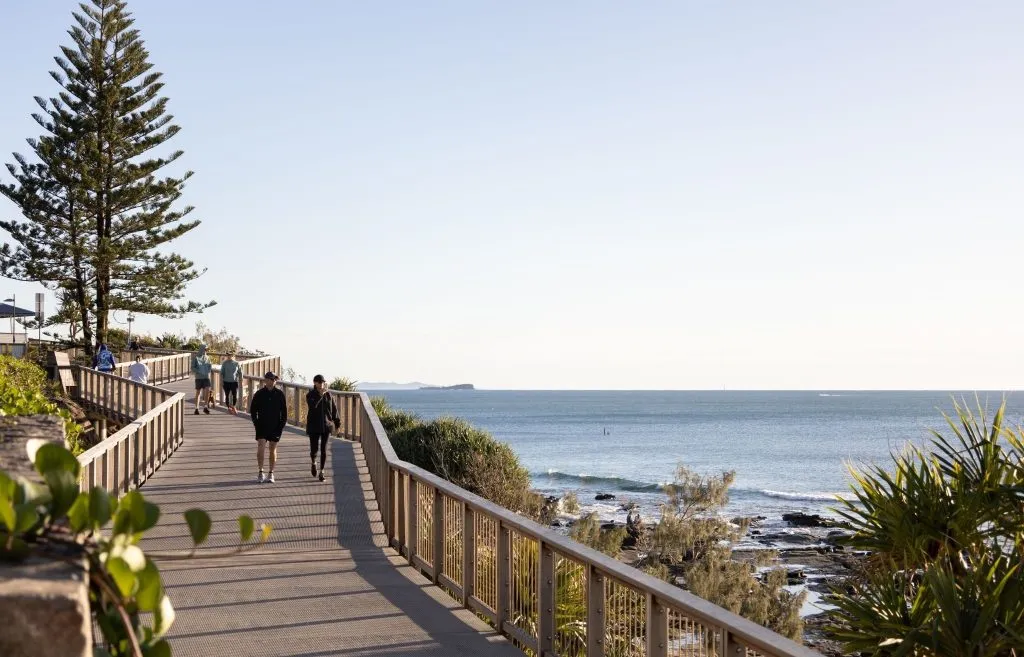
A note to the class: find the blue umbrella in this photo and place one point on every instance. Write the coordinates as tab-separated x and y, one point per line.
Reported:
7	310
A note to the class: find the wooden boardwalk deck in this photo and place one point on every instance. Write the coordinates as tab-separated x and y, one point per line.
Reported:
323	585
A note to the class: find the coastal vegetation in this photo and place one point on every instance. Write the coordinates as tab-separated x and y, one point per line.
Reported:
98	209
24	390
945	530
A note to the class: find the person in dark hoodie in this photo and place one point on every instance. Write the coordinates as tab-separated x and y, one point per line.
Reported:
269	412
321	421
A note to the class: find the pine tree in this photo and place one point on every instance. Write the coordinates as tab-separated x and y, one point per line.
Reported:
96	206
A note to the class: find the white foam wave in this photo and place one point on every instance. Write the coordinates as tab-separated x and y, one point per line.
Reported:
803	497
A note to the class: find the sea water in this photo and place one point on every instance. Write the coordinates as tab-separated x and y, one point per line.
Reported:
791	451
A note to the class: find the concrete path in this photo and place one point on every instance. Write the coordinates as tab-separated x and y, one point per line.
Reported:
323	585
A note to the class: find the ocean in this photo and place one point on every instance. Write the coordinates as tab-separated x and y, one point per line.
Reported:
790	450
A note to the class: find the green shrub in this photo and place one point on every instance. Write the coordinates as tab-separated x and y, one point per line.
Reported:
344	384
945	529
462	454
24	390
588	531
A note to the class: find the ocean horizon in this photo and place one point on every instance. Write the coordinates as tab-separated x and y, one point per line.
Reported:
790	449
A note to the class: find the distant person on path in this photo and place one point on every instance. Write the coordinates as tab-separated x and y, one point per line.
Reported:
269	412
138	371
321	421
231	378
201	369
104	360
133	345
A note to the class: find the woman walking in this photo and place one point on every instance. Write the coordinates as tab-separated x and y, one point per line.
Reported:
230	378
321	421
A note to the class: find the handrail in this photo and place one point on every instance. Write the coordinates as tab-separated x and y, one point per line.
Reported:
155	416
527	579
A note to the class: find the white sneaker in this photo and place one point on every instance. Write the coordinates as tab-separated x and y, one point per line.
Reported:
270	478
259	479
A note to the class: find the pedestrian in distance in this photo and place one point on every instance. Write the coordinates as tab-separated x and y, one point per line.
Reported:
321	421
138	371
201	369
230	378
269	412
104	360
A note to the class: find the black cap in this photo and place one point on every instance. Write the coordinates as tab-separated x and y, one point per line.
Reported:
270	375
319	378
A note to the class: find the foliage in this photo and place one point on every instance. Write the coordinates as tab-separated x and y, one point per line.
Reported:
55	520
344	384
219	342
464	455
588	531
24	390
571	503
945	528
97	216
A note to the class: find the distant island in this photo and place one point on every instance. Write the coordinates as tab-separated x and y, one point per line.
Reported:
459	386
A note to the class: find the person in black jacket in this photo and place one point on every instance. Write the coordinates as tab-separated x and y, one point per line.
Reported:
269	412
321	421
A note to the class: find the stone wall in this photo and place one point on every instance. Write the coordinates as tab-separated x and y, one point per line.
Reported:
44	604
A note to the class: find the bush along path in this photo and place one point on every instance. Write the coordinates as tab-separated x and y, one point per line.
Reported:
55	520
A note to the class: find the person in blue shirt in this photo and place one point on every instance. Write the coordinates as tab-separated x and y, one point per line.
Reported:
104	360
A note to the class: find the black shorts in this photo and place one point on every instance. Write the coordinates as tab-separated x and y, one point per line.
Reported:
269	439
202	384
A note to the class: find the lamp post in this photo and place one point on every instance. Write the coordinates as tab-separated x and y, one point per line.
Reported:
14	309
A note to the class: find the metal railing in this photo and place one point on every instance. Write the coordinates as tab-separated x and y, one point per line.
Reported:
550	595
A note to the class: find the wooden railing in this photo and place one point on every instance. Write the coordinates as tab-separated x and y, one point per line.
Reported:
156	427
155	420
547	593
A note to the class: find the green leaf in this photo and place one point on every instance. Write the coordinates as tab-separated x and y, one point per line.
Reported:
33	493
246	527
198	524
163	617
63	489
150	516
159	649
78	514
52	457
27	516
151	588
8	515
134	557
12	548
99	506
122	575
7	487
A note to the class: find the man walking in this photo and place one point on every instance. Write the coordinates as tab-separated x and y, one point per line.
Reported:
269	412
104	360
138	371
321	421
201	369
231	378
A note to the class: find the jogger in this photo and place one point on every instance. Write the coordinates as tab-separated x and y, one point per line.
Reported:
321	421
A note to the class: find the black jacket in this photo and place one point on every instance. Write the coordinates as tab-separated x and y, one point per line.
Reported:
269	412
322	416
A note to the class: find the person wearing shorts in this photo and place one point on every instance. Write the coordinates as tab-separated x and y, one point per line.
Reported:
201	369
269	412
321	421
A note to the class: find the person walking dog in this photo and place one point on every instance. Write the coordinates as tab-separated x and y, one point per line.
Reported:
321	421
269	412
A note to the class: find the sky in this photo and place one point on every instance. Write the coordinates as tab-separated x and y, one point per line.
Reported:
592	195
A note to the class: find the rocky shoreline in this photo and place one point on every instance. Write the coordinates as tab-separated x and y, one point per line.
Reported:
809	548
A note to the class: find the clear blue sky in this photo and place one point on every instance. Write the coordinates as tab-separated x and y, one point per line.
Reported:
594	194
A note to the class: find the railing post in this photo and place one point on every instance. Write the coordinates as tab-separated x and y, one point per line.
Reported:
657	627
501	608
437	530
402	519
468	554
595	612
411	532
730	648
298	406
546	599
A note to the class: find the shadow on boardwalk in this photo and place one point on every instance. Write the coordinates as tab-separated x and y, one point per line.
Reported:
323	585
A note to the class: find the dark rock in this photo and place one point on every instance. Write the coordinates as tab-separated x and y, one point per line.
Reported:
812	520
604	496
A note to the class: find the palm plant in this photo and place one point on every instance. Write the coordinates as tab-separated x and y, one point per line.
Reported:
945	529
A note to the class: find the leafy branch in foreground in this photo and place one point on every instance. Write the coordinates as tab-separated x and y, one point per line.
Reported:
57	521
945	528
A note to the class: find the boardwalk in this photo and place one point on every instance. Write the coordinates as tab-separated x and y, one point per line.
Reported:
323	585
